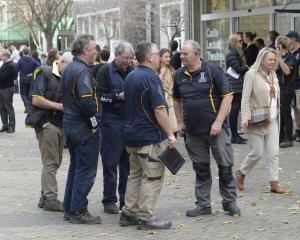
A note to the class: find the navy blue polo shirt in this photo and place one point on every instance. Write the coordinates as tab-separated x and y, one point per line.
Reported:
143	94
286	80
297	56
79	92
201	92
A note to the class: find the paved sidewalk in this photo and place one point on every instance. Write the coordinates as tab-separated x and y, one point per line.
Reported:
264	215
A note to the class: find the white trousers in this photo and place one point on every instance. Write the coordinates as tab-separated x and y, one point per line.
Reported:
257	143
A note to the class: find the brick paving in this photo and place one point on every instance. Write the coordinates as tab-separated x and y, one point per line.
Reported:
264	215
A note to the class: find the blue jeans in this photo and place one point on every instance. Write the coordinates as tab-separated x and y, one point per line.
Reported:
24	92
114	157
84	151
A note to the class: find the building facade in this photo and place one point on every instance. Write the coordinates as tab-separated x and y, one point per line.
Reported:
11	32
133	20
215	20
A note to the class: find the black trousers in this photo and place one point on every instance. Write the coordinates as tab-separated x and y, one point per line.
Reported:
286	121
234	113
7	111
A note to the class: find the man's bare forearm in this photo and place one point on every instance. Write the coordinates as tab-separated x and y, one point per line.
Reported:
178	110
224	109
162	118
46	104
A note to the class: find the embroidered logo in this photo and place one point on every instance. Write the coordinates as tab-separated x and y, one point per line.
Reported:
202	78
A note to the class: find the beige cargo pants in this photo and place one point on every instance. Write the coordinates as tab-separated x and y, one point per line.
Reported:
145	180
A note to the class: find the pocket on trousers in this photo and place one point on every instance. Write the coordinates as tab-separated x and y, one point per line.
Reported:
154	165
78	134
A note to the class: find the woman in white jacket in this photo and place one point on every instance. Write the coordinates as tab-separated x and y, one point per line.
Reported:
261	91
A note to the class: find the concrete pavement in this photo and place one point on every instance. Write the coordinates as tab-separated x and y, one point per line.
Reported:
264	215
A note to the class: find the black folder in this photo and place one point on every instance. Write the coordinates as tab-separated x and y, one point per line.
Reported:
172	159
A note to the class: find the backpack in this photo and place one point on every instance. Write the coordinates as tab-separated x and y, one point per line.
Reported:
36	116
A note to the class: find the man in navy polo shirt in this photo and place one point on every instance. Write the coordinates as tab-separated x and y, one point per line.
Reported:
110	80
80	124
146	127
202	98
295	38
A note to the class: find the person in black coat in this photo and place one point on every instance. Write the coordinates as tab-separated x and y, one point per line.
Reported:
286	74
8	73
175	56
251	50
272	35
236	69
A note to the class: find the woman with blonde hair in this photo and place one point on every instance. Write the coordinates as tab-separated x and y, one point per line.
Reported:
287	74
260	114
236	69
166	72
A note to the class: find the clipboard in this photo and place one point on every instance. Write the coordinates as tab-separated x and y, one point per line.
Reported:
172	159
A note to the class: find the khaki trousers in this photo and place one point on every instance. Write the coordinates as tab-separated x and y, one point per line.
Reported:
145	180
51	143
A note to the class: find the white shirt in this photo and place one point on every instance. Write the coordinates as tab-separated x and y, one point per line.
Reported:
274	103
15	56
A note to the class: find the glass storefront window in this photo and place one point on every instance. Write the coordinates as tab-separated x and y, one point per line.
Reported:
280	2
214	6
251	23
283	23
297	23
216	41
249	4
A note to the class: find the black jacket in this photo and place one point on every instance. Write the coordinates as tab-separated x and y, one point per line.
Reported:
176	61
234	61
251	53
8	73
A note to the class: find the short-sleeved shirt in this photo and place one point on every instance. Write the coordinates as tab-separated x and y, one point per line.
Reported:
286	80
143	94
77	83
201	93
297	56
39	88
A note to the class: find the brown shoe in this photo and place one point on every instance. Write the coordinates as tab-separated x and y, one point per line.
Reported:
240	180
276	188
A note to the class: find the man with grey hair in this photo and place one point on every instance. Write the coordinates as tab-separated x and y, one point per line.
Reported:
80	123
110	84
46	94
202	85
146	127
8	73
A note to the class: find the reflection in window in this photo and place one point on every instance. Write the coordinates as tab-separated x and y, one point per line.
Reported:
283	23
216	41
249	4
250	23
212	6
280	2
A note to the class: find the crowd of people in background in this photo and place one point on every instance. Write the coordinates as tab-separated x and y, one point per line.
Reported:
129	104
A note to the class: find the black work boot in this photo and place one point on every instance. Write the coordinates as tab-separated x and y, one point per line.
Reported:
153	224
197	211
4	129
10	130
126	220
286	144
67	216
42	202
232	209
84	218
54	206
111	208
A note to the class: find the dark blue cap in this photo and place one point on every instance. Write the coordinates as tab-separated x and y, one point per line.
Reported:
293	34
